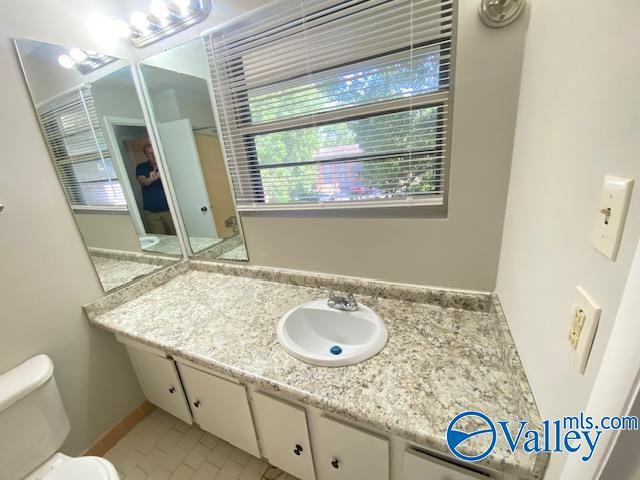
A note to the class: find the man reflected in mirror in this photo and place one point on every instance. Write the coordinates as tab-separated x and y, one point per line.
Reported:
154	201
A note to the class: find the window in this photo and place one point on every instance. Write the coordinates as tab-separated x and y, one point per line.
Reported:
79	152
335	103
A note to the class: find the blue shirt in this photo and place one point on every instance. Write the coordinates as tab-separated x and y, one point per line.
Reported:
153	197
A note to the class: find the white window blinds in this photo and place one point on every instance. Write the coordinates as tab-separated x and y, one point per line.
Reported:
335	103
79	152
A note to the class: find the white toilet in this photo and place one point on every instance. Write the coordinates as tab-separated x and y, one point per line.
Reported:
33	425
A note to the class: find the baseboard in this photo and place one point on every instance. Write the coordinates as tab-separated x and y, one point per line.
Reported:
109	439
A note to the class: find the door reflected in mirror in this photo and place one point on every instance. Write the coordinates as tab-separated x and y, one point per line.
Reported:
177	84
93	124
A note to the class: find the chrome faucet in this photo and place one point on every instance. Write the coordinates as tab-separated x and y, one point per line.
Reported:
348	303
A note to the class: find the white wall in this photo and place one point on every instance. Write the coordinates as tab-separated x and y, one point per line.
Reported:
182	100
578	120
105	229
165	106
187	59
116	100
45	273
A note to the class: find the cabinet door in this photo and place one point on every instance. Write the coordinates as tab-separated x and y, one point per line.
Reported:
420	466
284	436
160	382
220	407
344	452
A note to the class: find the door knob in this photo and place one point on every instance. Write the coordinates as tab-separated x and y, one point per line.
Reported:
335	463
196	403
172	389
203	209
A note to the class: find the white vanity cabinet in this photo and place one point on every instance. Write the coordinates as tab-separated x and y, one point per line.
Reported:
420	466
344	452
220	407
301	440
284	436
160	382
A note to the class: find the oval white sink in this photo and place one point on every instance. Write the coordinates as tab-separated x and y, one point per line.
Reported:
320	335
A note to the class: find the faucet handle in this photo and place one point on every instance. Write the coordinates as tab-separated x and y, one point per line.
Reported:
351	301
332	296
328	290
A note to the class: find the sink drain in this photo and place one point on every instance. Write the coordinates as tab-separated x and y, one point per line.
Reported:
336	350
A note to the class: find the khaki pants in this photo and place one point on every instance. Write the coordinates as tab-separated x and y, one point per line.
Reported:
159	222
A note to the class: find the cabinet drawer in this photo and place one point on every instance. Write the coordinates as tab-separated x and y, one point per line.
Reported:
160	382
220	407
284	436
420	466
344	452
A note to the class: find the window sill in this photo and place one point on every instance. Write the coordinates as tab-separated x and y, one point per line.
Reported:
89	209
410	202
419	209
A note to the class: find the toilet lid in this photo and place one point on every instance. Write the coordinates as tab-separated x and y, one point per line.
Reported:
84	468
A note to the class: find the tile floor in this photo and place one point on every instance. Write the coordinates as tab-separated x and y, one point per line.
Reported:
161	447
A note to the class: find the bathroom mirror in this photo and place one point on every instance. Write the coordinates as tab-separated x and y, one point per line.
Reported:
177	85
93	124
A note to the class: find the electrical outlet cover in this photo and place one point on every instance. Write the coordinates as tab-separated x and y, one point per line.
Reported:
592	311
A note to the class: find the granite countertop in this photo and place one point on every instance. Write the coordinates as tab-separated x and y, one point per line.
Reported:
114	273
169	244
116	268
439	360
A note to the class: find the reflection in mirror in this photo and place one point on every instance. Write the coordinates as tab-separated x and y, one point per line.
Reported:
177	87
93	125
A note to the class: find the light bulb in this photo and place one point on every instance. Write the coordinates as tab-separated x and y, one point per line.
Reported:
140	21
121	29
78	55
183	5
159	10
66	61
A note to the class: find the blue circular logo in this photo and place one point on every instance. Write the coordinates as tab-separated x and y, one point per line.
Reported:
482	425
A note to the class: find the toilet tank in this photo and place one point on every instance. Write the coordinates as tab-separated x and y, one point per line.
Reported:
33	421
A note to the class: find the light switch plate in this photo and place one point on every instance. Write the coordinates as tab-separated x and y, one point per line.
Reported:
585	317
611	215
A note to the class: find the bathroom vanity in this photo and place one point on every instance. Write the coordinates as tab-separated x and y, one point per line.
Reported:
202	339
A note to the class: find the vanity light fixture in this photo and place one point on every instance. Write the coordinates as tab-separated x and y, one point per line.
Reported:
165	19
183	5
85	61
141	23
160	10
